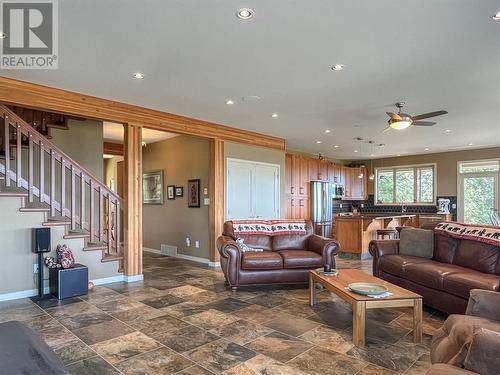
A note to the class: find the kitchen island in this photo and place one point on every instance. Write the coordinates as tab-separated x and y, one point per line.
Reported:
355	232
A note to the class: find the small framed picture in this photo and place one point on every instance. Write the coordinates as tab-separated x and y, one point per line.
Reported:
171	192
193	191
152	187
179	191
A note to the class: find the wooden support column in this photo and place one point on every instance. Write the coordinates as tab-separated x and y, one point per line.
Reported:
217	207
133	200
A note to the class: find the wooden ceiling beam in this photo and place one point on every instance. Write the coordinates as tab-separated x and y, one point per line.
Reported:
112	148
46	98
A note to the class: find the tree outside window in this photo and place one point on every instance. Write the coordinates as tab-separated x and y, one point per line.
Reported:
405	185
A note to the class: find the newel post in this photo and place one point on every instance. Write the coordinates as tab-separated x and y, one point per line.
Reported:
132	200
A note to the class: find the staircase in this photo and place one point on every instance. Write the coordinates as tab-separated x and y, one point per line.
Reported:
49	181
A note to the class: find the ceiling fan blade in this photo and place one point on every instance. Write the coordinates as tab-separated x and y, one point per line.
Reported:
427	115
386	129
393	116
423	123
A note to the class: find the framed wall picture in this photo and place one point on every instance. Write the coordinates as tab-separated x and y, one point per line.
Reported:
171	192
152	187
179	191
193	192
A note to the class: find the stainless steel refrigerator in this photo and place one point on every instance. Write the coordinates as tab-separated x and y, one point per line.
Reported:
322	195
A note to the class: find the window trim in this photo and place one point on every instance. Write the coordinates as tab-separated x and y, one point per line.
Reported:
414	166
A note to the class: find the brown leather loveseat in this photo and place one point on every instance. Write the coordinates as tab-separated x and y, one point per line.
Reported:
286	258
464	258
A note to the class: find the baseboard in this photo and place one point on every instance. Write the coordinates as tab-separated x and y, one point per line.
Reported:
149	250
22	294
102	281
186	257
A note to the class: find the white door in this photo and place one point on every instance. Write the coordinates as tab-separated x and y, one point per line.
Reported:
478	191
252	190
266	191
239	190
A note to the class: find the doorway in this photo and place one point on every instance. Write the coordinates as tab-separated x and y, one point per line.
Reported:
478	191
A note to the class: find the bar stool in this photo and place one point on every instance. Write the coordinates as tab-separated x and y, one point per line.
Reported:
390	233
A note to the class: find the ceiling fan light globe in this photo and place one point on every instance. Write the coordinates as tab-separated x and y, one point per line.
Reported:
400	125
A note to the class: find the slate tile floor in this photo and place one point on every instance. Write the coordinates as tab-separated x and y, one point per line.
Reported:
182	320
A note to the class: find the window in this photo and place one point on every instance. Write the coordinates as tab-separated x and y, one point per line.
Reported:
408	185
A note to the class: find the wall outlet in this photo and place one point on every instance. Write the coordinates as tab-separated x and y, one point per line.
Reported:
205	191
197	244
35	267
362	205
340	205
206	201
188	241
454	206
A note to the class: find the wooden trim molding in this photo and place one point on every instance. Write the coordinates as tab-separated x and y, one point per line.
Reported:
112	148
36	96
217	206
133	201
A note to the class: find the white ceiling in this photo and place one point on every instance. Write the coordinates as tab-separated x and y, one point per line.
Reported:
114	132
196	54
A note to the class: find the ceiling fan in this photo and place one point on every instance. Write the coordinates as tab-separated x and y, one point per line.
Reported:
401	121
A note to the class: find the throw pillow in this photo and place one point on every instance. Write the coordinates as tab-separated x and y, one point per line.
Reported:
417	242
482	357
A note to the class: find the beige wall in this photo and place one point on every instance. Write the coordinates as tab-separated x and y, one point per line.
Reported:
181	158
259	154
16	269
110	171
84	143
446	164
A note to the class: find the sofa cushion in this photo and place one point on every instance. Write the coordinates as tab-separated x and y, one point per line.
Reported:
301	259
290	242
261	260
444	248
396	264
479	256
461	283
430	273
416	242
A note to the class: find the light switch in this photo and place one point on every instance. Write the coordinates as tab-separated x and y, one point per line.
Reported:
205	191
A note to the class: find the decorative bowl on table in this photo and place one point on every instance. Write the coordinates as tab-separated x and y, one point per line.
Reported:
366	289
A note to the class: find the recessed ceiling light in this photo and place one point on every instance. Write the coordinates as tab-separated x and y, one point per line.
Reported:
318	142
496	17
398	155
336	146
470	144
328	131
229	102
447	131
274	115
337	67
138	75
426	149
356	151
3	35
244	13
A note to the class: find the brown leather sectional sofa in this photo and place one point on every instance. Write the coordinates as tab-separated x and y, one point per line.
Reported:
284	259
446	280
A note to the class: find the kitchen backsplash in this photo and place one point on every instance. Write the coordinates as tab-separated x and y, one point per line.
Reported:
369	206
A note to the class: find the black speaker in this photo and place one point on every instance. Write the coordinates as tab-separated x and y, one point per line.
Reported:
69	282
40	240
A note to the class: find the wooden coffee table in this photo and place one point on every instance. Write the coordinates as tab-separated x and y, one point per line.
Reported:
338	284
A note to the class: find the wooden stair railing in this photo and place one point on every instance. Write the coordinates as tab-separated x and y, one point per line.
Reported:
52	182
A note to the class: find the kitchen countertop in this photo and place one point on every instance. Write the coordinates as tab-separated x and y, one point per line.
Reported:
375	216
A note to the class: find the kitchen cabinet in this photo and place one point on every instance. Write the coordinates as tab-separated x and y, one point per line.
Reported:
312	165
323	170
332	177
355	187
297	208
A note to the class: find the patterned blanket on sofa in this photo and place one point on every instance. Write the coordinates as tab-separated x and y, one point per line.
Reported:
269	227
482	233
